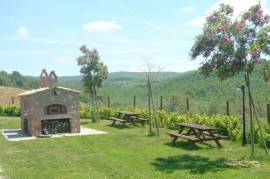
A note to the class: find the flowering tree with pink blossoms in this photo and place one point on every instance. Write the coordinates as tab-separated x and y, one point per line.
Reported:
94	72
232	45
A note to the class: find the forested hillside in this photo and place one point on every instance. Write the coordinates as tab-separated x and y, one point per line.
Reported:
15	79
206	95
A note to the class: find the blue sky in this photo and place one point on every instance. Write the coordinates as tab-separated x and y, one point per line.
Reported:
36	34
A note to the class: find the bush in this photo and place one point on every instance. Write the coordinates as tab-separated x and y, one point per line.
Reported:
85	113
106	112
10	110
227	125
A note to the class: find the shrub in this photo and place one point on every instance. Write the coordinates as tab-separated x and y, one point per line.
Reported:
85	113
10	110
106	112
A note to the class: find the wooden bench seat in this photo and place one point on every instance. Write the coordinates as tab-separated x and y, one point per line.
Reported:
188	137
142	119
216	136
114	119
194	138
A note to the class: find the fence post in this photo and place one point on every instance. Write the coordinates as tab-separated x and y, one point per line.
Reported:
109	102
134	102
268	113
187	104
12	100
228	108
161	103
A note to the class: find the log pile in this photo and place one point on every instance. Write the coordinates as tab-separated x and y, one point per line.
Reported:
55	126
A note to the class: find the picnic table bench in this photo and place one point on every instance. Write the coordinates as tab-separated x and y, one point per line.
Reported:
114	119
125	117
196	133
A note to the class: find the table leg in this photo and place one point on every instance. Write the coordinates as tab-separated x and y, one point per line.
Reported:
181	130
216	140
200	135
174	140
142	123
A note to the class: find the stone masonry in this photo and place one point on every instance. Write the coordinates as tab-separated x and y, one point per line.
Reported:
50	109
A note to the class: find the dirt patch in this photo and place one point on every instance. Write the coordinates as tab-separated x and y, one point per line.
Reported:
7	93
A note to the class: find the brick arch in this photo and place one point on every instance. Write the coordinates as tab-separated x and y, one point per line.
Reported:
54	109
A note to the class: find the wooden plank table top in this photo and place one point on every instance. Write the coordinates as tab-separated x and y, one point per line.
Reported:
196	126
127	113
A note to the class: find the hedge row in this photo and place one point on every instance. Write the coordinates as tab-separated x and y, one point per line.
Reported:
227	125
10	110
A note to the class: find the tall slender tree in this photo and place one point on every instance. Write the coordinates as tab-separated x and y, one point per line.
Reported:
232	45
94	72
151	77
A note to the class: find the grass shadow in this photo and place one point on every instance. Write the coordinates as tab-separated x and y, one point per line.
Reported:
119	126
183	145
188	146
194	164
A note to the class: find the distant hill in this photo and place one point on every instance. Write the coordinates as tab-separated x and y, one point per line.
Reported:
75	81
206	95
7	93
118	76
15	79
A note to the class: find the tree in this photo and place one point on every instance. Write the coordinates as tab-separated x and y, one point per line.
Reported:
150	79
232	45
94	72
17	78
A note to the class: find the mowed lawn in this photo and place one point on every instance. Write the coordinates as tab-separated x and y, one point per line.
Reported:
123	153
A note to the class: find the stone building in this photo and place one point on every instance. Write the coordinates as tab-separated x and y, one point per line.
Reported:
50	109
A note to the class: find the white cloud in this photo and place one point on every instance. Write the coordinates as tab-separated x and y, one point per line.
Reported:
187	9
239	7
23	32
198	21
102	26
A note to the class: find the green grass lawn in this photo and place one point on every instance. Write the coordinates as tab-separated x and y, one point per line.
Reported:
123	153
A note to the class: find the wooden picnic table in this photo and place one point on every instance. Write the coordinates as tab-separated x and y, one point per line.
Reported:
196	133
128	117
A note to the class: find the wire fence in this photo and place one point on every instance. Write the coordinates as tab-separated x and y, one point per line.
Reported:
182	104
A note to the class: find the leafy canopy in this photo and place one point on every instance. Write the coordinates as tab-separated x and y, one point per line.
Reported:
230	45
93	70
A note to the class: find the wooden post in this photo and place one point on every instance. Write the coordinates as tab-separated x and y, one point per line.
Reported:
109	102
161	103
244	135
12	100
187	104
268	113
134	102
228	108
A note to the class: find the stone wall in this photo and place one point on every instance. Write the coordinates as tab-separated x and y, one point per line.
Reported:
34	106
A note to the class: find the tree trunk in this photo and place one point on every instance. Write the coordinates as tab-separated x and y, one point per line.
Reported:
250	114
154	109
95	114
257	119
244	136
149	106
96	105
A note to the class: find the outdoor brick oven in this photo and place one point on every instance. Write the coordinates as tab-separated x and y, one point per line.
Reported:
50	109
